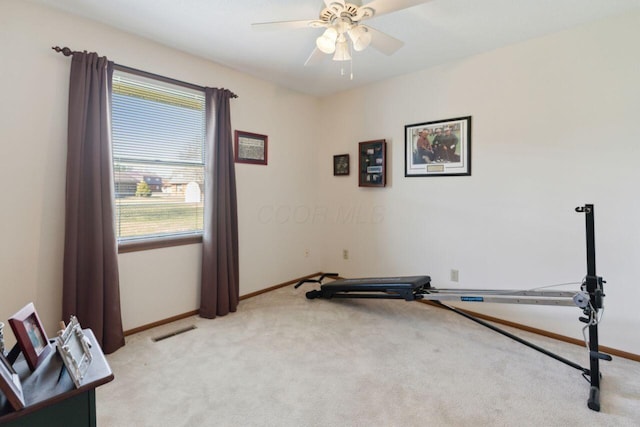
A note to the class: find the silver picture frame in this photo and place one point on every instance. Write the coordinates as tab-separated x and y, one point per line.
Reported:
75	349
10	384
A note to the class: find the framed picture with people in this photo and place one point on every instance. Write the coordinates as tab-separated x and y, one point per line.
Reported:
30	335
438	148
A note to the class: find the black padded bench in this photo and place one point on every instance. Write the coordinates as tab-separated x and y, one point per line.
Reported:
404	288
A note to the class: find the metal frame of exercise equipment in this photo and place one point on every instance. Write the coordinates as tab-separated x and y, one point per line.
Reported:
589	299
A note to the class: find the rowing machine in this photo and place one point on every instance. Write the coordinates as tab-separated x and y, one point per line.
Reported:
411	288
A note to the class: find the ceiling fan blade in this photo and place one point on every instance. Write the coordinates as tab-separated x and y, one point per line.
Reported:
384	42
316	57
381	7
283	25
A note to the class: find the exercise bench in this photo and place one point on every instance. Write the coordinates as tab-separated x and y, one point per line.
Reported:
414	288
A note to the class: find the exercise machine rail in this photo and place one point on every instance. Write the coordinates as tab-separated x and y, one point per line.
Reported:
589	299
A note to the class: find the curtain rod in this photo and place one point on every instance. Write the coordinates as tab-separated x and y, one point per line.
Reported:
68	52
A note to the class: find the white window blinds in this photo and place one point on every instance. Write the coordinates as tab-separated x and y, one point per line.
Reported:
158	133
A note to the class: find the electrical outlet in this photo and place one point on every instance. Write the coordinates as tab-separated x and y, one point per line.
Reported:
307	252
345	254
454	275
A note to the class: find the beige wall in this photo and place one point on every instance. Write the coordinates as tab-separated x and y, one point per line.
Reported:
553	127
155	284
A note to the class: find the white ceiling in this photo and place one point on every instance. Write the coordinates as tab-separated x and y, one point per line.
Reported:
435	32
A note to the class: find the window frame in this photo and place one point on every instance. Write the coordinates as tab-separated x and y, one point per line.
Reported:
157	242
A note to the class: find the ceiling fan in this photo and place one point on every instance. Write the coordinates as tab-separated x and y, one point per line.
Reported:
343	23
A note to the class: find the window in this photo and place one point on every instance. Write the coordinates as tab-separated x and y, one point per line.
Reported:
158	132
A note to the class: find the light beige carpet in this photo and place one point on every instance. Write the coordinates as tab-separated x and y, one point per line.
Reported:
283	360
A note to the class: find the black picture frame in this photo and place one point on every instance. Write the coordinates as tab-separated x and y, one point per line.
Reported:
251	148
341	165
438	148
372	163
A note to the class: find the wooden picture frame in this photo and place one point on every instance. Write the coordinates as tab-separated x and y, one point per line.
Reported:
250	147
75	350
372	163
340	164
438	148
10	384
30	334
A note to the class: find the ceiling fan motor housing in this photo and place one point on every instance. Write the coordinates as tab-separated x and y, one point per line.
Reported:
344	15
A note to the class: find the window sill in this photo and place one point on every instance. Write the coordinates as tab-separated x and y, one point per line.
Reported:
157	243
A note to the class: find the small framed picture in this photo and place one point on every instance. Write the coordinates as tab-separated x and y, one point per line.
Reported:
30	335
372	167
341	164
438	148
10	384
75	349
250	147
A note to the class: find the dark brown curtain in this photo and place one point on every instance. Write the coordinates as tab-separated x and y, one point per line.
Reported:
220	271
91	286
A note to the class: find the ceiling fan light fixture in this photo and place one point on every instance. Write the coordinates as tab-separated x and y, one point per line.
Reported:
342	25
342	51
360	37
327	41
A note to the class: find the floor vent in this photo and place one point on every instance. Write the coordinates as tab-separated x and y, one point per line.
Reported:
173	334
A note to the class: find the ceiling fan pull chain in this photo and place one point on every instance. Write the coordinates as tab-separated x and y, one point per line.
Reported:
351	65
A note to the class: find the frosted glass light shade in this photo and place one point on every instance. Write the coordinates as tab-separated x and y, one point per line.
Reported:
342	51
327	41
360	37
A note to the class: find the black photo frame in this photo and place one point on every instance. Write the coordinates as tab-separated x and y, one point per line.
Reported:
438	148
341	164
372	166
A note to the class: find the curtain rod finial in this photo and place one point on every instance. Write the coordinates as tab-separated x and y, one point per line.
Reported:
65	50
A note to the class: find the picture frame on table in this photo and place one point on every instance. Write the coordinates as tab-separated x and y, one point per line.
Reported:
10	384
340	164
438	148
372	163
75	350
31	336
250	147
